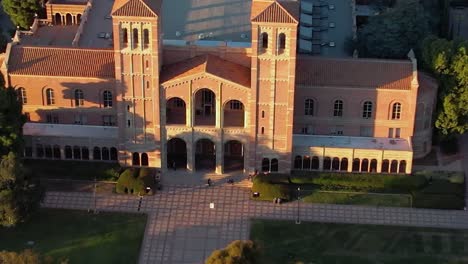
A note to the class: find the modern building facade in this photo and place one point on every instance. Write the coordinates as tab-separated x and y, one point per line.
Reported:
206	86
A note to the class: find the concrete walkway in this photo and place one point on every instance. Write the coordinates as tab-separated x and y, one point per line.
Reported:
182	228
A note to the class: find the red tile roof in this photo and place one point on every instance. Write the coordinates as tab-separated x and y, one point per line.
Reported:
277	12
349	73
136	8
45	61
209	64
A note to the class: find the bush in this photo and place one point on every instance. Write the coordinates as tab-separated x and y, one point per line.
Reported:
134	181
269	191
449	145
238	252
361	182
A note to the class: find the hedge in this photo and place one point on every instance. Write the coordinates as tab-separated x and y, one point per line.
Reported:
438	201
361	182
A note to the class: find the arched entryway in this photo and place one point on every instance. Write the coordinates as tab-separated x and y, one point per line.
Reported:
144	159
205	155
68	19
136	159
205	108
58	19
78	18
175	111
234	114
233	156
176	153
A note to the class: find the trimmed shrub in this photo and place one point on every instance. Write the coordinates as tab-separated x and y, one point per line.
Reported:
134	181
238	252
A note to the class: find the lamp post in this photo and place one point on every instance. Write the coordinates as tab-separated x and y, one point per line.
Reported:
298	220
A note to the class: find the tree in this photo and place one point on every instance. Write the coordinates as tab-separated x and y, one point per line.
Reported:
396	31
27	256
238	252
19	196
448	62
21	12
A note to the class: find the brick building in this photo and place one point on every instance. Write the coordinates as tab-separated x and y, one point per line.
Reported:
210	87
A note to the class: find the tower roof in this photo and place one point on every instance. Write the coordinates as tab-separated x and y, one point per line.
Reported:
136	8
285	12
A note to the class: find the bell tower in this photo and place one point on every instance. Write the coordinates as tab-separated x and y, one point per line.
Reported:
274	33
136	34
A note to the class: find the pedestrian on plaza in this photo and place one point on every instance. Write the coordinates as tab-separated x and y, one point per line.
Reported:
209	182
174	165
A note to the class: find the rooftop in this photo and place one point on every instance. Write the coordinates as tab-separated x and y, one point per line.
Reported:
399	144
51	36
59	130
349	73
97	32
68	2
221	20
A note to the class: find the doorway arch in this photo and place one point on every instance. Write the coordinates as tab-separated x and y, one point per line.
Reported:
68	19
205	108
176	153
233	156
234	114
205	155
175	111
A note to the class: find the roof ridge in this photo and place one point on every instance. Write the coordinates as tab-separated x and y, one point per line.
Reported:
63	48
132	9
285	10
272	5
147	6
354	59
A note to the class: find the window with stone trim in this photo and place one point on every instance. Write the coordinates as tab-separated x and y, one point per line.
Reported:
146	38
281	43
125	37
338	108
135	38
309	107
79	98
264	40
367	109
107	98
50	97
396	111
108	120
22	95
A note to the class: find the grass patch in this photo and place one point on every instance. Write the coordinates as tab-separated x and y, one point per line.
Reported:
285	242
79	236
357	198
73	170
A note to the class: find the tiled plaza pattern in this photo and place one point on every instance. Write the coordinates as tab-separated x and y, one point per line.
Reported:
183	229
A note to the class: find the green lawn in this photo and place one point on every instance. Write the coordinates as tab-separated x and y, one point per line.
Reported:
396	200
284	242
73	170
79	236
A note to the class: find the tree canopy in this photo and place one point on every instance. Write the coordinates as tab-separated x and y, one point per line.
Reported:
448	61
21	12
395	32
238	252
18	195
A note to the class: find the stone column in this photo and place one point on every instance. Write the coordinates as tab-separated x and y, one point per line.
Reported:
189	108
219	156
190	155
219	106
350	164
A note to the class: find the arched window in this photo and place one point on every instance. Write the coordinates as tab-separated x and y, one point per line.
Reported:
396	111
39	151
309	107
57	154
264	40
105	153
107	99
144	159
76	152
263	114
50	99
22	95
48	151
79	98
125	37
326	163
385	166
265	165
373	165
365	165
113	153
394	166
145	38
84	153
344	164
136	159
402	167
298	162
315	163
68	152
367	110
338	108
96	153
274	165
356	165
281	42
135	38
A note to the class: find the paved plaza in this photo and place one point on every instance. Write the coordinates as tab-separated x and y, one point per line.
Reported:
182	228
